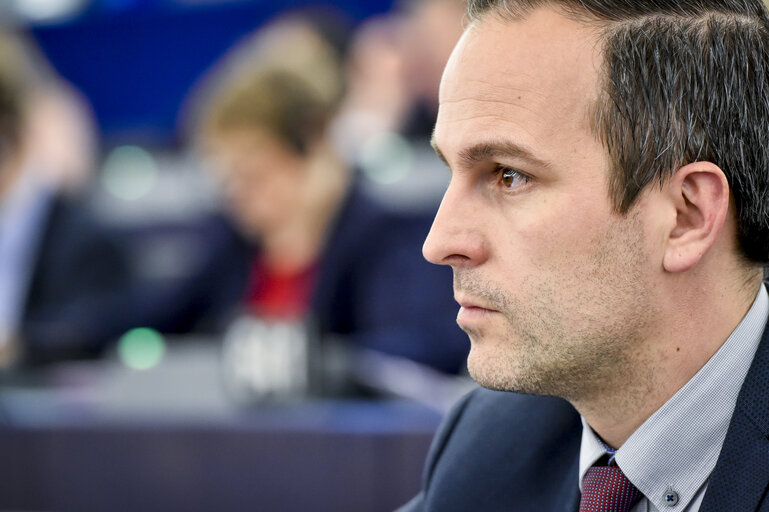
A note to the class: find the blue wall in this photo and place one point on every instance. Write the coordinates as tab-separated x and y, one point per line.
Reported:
137	59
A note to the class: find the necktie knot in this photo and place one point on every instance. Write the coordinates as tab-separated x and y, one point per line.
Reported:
607	489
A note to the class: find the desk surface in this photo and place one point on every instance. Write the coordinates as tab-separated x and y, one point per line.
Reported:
82	447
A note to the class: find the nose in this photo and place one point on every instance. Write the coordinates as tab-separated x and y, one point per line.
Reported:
456	237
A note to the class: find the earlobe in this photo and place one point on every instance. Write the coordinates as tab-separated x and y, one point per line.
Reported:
700	193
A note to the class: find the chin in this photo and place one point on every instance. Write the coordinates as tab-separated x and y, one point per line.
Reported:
492	369
501	370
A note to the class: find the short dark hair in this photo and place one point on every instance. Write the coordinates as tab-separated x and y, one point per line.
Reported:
683	81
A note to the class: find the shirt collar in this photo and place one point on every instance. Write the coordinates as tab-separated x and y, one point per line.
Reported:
677	447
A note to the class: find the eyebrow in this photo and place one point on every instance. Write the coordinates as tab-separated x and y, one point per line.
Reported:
489	150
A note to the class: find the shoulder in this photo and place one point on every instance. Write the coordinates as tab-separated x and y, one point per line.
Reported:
73	241
368	234
504	451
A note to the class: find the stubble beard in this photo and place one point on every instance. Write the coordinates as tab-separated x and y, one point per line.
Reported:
563	339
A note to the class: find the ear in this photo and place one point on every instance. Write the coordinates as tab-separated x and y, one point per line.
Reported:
700	194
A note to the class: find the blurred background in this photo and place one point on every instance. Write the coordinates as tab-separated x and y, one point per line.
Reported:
212	295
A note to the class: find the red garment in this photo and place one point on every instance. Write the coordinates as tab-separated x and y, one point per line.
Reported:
280	296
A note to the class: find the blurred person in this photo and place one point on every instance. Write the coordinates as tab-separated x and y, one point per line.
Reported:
430	30
377	98
57	264
62	134
316	246
384	125
394	66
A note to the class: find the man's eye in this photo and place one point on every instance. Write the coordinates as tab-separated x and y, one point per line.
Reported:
510	178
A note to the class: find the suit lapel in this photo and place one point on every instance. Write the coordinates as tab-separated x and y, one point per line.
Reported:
739	480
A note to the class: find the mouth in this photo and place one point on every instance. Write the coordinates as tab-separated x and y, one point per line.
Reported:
472	313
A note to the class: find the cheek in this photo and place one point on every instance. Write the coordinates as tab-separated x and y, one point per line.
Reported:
552	236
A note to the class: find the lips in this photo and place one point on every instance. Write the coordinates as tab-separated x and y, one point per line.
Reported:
471	304
472	313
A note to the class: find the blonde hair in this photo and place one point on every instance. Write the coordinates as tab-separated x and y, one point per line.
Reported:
274	100
286	79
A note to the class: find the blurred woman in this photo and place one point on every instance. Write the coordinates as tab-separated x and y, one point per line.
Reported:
318	246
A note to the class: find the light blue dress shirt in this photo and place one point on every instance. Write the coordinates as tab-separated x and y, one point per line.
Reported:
22	216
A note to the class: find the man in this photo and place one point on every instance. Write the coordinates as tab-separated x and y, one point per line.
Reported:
61	273
606	223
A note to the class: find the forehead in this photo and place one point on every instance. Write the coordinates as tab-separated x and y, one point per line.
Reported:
532	79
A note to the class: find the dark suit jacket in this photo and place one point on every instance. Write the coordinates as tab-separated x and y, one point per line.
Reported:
516	453
375	289
75	302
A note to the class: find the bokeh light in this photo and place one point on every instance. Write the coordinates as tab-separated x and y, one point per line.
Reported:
130	173
48	10
141	348
386	158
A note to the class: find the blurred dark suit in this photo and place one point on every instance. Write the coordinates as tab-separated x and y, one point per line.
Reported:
75	301
375	287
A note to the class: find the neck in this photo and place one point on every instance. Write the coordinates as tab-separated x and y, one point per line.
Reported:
681	346
291	249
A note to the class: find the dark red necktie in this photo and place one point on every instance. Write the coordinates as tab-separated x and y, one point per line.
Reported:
607	489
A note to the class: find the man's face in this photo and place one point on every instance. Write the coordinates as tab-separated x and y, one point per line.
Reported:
555	288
